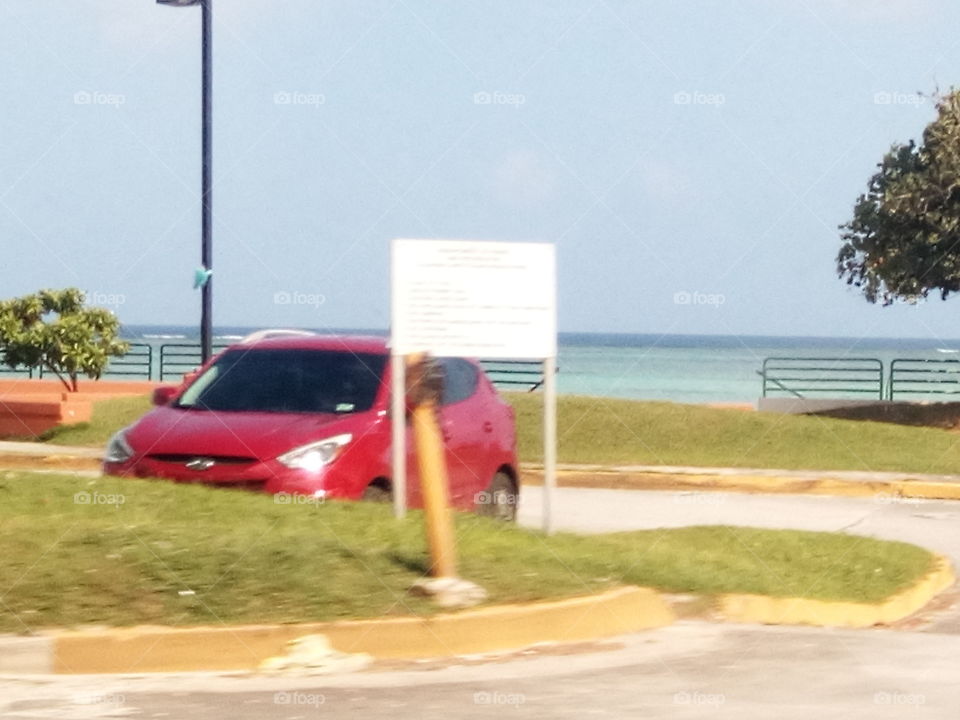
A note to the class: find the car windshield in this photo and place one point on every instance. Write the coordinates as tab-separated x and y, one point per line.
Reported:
293	381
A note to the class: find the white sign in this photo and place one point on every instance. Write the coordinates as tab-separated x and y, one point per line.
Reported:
457	298
474	299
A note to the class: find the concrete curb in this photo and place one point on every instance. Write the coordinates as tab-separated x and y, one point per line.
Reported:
797	611
812	483
26	654
491	629
884	486
34	449
505	627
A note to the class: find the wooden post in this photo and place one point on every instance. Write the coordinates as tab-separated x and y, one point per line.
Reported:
424	390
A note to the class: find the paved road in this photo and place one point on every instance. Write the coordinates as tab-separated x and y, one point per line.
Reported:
684	671
689	670
933	524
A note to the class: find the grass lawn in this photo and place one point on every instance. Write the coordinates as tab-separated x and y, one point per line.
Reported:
108	417
134	549
609	431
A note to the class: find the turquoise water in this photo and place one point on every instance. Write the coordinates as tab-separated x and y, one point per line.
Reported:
703	374
679	368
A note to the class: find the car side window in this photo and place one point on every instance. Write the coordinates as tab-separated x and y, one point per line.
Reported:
460	380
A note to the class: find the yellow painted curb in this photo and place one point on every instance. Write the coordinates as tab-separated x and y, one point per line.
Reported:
503	627
883	490
798	611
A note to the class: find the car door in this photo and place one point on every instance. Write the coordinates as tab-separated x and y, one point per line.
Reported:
462	421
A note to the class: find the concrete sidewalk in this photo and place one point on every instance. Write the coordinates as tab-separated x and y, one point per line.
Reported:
38	449
751	480
849	475
640	477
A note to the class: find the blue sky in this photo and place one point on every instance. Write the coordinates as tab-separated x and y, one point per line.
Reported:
691	160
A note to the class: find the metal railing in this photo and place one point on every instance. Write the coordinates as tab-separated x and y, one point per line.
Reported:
6	369
924	377
510	374
136	363
823	376
177	359
171	361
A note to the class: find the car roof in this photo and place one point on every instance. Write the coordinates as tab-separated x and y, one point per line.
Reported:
345	343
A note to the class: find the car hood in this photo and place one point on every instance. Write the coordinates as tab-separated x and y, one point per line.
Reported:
264	436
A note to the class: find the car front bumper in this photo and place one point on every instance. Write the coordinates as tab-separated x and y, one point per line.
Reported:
267	476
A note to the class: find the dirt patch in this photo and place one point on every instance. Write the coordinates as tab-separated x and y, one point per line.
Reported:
942	606
541	650
47	462
945	416
679	483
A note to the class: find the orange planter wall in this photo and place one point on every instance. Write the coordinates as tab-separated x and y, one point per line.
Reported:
30	407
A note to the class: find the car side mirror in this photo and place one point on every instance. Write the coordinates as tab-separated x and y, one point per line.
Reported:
163	395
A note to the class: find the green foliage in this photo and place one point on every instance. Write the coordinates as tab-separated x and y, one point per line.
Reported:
904	239
52	329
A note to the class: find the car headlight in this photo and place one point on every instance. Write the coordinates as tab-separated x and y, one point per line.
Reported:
118	449
314	456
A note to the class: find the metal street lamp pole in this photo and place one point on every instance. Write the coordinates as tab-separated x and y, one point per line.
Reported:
206	175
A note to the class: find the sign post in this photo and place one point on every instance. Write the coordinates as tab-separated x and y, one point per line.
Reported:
549	441
465	298
398	439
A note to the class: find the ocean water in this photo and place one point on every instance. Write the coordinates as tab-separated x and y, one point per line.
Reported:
678	368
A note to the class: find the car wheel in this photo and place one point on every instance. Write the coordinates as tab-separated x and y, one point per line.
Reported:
377	493
499	500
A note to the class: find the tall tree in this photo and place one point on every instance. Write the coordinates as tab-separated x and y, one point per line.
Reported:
52	329
904	239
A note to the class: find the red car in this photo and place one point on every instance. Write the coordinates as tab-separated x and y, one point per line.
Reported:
309	416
